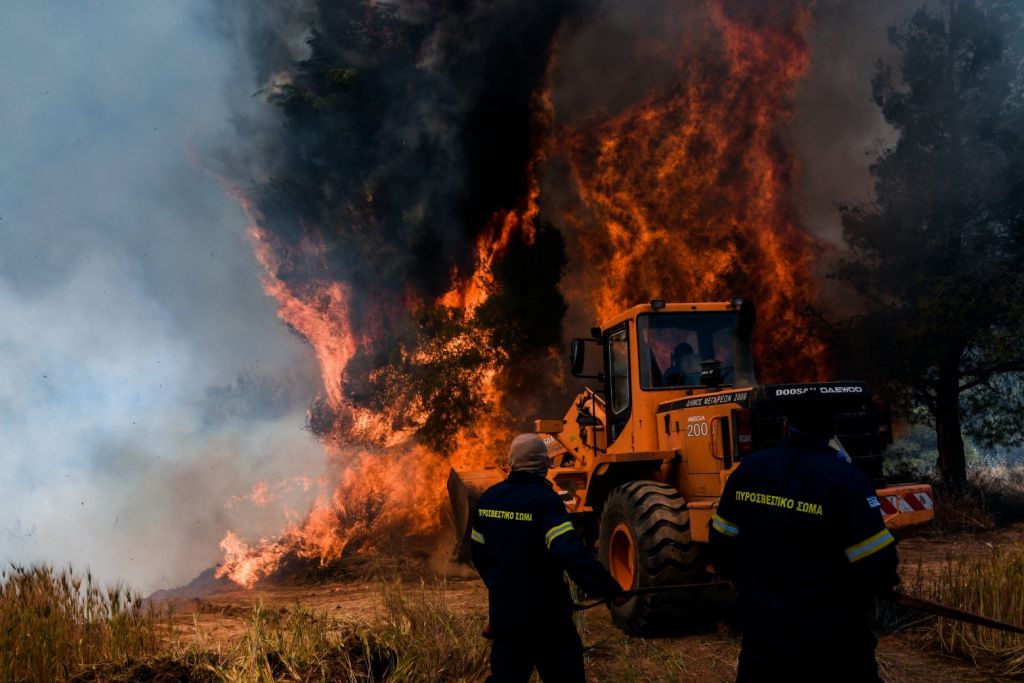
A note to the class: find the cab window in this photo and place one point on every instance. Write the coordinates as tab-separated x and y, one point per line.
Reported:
618	371
673	345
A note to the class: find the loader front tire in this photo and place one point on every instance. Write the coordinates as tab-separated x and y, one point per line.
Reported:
644	541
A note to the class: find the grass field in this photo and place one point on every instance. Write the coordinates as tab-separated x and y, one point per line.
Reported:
993	586
56	625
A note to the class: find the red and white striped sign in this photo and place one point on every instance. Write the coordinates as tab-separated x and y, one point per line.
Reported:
906	502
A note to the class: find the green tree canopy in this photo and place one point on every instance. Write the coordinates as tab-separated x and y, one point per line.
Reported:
937	255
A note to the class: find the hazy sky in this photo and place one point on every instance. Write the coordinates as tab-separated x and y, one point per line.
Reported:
127	290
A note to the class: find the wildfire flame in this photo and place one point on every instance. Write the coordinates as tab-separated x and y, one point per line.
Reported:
684	195
383	478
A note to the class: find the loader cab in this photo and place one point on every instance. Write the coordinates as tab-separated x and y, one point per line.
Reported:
657	352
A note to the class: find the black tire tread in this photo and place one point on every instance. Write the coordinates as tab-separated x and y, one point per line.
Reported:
660	522
670	507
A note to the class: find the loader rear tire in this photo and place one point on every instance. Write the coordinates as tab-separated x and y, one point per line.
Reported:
644	541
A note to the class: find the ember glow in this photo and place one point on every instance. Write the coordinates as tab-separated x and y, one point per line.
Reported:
682	195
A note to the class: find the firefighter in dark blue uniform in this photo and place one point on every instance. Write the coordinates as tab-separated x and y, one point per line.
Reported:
522	542
800	533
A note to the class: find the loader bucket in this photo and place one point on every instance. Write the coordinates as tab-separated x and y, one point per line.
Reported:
464	489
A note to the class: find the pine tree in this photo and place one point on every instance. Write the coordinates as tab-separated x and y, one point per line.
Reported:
938	255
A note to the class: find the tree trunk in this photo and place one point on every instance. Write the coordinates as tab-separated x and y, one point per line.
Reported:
952	460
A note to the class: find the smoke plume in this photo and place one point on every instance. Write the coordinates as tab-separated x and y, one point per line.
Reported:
436	194
144	377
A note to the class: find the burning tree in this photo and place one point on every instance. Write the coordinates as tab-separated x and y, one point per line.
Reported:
427	217
400	202
396	219
939	253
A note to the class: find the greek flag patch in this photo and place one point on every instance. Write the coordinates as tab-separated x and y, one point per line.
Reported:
873	502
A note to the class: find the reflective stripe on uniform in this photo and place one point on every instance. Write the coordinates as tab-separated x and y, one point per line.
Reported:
869	546
556	531
477	536
724	526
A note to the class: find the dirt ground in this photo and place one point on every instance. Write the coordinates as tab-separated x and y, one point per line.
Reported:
612	656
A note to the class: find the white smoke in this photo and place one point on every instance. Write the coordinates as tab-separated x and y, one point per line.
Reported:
130	302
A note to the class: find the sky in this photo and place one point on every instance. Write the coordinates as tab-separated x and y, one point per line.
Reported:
130	301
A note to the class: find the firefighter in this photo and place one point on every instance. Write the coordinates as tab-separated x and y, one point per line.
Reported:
799	531
522	542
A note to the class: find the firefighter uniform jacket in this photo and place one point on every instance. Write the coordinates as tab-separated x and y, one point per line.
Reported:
799	530
522	542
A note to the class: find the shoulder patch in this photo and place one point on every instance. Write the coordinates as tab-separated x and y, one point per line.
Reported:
873	502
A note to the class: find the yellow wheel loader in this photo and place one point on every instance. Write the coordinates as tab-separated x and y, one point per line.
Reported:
641	461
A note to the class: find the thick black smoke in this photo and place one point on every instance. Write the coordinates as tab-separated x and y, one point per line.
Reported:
406	132
838	128
403	137
405	128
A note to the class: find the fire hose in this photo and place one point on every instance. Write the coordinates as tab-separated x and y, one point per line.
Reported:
910	601
579	607
940	610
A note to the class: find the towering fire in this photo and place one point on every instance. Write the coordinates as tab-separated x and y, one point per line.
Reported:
425	198
685	194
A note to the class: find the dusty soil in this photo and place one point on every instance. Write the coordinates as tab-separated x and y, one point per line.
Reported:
931	549
708	656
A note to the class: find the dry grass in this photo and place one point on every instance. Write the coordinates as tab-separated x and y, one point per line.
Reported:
992	586
1000	490
55	626
417	639
618	658
993	497
431	641
967	511
54	623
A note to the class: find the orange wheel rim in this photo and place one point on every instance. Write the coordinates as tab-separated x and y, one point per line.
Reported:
622	556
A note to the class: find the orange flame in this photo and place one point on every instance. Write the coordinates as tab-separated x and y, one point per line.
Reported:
683	196
686	194
469	293
394	483
319	314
